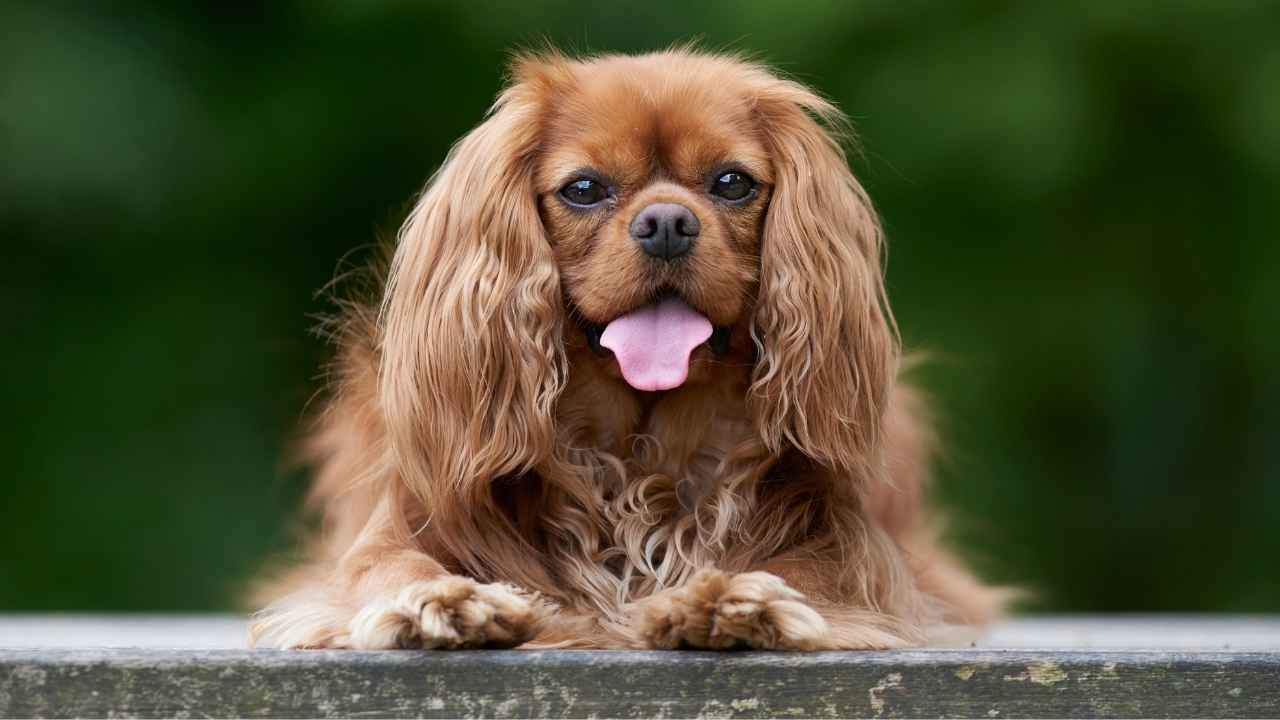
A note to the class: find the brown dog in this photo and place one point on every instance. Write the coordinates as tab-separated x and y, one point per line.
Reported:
632	383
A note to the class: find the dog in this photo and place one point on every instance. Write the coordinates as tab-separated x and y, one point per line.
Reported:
631	382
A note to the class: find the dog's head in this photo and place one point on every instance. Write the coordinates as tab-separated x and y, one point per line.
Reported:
653	182
653	208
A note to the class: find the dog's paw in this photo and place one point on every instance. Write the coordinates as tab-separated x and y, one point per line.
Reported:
719	610
447	613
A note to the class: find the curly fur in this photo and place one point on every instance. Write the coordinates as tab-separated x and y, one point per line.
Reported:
775	500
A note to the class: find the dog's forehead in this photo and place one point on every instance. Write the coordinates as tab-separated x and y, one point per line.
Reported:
632	122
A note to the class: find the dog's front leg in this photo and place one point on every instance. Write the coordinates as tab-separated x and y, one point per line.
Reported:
381	597
721	610
410	606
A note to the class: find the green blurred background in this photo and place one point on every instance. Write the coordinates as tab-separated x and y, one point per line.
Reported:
1081	201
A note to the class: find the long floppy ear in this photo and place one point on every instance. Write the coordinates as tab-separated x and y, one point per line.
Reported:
828	345
471	358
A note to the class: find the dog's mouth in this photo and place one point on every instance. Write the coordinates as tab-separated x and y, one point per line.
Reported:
653	343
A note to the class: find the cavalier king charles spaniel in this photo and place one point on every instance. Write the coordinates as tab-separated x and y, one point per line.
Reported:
631	382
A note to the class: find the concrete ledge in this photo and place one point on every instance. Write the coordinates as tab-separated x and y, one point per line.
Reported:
1199	678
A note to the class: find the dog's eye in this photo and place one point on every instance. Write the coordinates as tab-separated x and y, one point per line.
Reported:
733	186
584	192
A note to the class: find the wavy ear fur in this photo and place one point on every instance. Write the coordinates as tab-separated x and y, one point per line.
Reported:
828	344
471	354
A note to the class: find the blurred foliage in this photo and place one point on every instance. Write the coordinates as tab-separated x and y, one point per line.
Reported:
1081	200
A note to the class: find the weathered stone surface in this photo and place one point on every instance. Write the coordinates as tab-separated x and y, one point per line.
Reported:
971	682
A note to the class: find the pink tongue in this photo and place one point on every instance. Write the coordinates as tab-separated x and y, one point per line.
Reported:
653	343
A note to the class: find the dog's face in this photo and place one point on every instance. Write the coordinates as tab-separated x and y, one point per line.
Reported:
653	188
671	218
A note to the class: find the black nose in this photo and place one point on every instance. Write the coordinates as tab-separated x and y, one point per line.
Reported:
665	230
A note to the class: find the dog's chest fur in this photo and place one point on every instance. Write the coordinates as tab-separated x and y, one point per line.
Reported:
663	485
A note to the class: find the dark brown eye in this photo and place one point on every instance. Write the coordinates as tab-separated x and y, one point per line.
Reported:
584	192
733	186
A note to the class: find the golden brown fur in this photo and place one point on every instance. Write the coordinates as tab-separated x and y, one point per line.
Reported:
486	479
